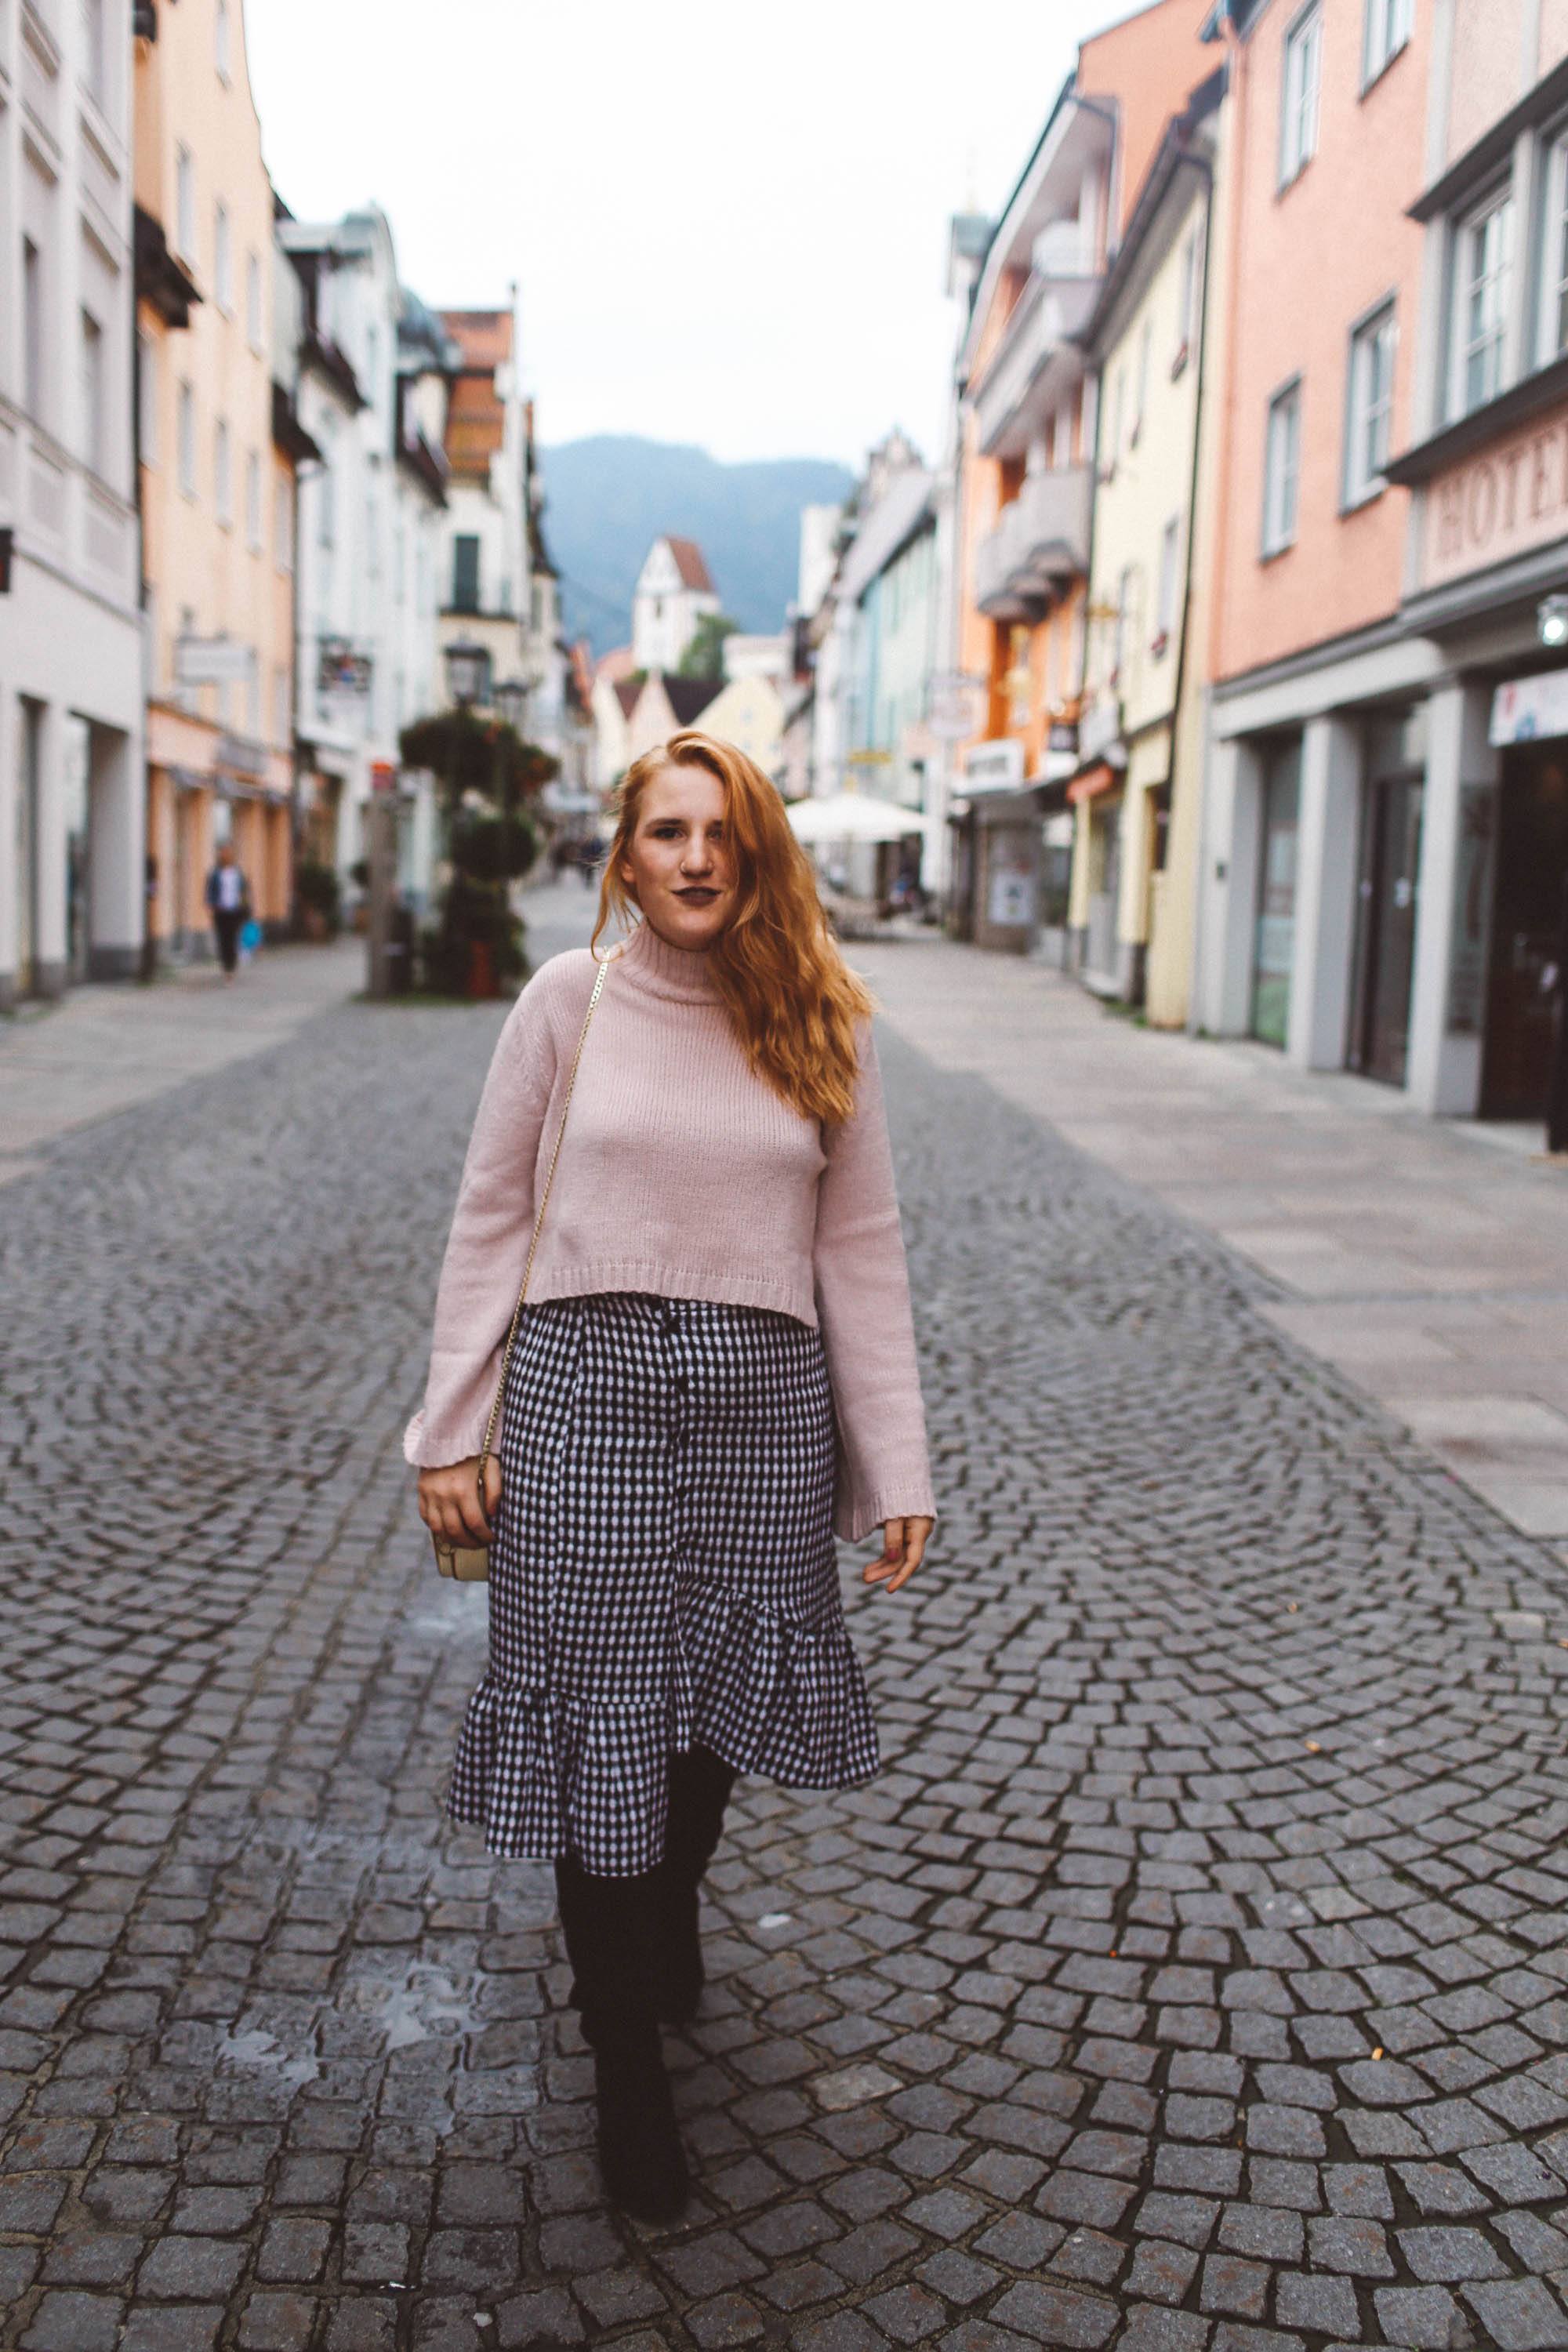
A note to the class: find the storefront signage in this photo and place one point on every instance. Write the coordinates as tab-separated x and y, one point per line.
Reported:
955	705
212	661
1503	501
1528	706
340	670
995	767
1012	896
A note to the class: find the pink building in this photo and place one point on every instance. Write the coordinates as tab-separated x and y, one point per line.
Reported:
1387	814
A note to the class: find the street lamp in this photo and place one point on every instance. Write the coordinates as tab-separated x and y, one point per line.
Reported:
510	700
467	672
1551	620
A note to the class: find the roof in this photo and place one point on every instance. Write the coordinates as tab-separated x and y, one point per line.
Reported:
475	425
627	692
615	665
688	563
689	696
483	337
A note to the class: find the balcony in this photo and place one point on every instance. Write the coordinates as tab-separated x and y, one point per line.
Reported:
1040	541
1037	357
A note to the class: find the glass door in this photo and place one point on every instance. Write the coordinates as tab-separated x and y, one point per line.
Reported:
1390	864
1274	937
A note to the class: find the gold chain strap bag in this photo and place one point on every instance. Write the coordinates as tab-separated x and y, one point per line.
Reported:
470	1563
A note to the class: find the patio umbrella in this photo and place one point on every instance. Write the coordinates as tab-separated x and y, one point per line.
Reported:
855	816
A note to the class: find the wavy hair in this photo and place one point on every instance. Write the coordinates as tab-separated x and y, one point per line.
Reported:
776	965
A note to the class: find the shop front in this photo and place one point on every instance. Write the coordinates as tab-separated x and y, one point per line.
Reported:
995	860
1529	914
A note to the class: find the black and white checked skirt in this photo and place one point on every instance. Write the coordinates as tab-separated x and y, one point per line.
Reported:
662	1575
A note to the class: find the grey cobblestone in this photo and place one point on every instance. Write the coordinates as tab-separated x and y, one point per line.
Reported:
1191	1980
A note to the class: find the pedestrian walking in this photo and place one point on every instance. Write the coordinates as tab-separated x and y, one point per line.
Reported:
714	1373
228	902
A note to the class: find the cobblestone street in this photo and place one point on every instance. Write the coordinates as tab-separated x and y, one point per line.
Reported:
1195	1978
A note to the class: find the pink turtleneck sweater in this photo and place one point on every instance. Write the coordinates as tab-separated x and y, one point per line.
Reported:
683	1173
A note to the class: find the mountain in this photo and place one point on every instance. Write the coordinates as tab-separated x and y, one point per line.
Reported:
607	498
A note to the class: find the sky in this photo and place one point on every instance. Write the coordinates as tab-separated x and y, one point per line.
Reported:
727	223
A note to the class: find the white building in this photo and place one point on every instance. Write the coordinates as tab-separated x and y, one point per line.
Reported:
673	593
486	584
371	512
72	827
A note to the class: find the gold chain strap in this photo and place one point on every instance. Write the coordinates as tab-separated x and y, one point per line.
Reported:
538	1221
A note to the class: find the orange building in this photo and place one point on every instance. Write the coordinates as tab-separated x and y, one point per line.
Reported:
1027	429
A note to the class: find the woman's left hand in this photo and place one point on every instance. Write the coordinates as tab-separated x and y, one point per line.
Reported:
903	1547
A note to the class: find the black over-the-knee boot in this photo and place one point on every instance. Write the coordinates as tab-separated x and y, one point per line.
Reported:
699	1786
611	1931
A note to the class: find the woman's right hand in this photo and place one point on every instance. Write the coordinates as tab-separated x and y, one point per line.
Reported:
449	1501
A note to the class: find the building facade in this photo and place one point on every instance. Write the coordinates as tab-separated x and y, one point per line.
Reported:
216	490
1028	430
71	816
1131	828
485	581
674	593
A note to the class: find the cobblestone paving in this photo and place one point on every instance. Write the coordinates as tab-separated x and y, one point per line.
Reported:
1194	1979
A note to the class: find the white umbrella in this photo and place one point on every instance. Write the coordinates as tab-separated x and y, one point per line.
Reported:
855	816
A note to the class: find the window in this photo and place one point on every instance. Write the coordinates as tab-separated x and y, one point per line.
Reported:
372	363
1165	610
1388	30
32	326
281	712
147	399
1281	468
223	40
253	502
253	301
1112	450
223	258
326	507
92	417
186	434
465	573
1145	344
185	202
1299	94
94	48
1188	292
282	525
1482	277
1370	406
1123	614
223	472
1553	333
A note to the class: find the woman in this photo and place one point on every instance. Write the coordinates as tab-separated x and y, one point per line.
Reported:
714	1373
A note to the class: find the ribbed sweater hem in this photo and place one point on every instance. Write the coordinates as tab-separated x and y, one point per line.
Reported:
668	1281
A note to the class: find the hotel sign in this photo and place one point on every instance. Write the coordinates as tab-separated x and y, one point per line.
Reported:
1505	499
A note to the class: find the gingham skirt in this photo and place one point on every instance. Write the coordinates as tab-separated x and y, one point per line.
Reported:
662	1574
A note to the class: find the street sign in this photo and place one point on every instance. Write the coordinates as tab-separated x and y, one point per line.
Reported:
955	703
212	661
869	758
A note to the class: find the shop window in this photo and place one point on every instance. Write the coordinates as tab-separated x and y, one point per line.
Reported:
1281	468
1299	93
1385	33
1370	406
1482	282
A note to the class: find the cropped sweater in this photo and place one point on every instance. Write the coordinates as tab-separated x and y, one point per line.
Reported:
683	1173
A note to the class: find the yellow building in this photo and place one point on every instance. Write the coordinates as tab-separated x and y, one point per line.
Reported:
216	491
749	713
1134	800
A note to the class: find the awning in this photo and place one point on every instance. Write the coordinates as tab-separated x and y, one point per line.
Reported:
1095	780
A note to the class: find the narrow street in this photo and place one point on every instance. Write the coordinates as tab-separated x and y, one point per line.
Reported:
1193	1980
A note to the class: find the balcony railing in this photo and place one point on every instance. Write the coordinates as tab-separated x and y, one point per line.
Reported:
1014	393
1040	541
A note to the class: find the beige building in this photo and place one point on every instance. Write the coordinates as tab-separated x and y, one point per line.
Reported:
1130	831
216	491
749	713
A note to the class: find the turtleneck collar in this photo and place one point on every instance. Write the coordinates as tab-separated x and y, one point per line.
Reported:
650	960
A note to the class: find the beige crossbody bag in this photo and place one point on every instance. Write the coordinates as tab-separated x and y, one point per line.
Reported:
470	1563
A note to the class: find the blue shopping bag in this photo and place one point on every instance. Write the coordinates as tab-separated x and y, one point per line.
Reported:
249	937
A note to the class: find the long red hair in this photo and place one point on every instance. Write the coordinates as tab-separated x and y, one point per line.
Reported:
777	967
